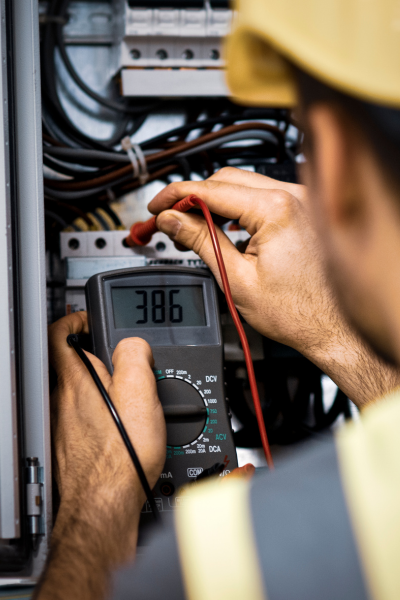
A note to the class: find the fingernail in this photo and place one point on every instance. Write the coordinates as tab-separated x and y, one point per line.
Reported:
169	225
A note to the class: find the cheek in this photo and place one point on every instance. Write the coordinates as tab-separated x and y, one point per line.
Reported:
315	203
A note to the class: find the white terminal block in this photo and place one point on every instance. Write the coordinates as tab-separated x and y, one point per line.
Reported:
102	244
87	253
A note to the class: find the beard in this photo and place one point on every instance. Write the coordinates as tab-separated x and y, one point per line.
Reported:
363	317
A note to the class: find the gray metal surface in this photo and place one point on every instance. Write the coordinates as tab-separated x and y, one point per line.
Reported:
176	84
80	269
9	460
88	22
32	254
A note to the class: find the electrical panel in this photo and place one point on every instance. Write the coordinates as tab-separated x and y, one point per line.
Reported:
104	104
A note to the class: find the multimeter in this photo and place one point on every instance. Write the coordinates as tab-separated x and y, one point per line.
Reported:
175	309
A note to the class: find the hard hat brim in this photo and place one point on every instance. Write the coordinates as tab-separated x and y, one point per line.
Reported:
348	45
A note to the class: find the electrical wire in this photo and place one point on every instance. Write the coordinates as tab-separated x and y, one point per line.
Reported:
115	106
73	209
73	341
140	235
55	119
233	137
153	158
206	123
69	152
52	215
86	154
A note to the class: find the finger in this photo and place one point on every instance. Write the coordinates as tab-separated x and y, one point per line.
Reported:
224	197
253	208
229	201
246	472
133	378
192	232
256	180
59	350
180	247
63	357
132	351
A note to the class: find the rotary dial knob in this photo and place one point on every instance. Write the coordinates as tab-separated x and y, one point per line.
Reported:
184	410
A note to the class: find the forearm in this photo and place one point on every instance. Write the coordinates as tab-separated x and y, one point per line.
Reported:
354	367
82	557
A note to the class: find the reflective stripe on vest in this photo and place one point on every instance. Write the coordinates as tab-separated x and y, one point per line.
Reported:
216	544
369	457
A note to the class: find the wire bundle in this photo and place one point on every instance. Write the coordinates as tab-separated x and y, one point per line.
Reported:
88	173
116	173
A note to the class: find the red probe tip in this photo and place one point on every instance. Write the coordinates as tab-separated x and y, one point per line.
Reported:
142	232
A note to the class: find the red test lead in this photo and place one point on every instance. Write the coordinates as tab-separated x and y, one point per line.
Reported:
141	234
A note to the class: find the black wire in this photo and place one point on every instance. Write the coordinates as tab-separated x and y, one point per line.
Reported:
73	341
50	97
184	129
115	106
106	207
60	122
52	215
61	167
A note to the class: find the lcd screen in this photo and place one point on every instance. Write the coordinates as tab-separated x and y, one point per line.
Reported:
158	306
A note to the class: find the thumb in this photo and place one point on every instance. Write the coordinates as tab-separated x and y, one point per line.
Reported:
133	378
192	232
246	472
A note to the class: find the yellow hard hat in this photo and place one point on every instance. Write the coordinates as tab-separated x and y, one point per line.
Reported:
351	45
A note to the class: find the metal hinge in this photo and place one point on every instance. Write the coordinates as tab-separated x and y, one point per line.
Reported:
34	499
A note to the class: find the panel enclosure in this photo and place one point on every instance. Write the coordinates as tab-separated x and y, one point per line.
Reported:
9	459
18	563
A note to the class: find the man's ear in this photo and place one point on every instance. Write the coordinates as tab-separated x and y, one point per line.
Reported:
332	171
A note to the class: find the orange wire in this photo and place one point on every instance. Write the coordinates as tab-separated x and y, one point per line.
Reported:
141	235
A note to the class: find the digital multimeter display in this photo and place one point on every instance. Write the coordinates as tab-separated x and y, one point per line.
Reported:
158	306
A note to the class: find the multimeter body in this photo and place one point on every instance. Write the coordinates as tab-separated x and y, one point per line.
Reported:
175	310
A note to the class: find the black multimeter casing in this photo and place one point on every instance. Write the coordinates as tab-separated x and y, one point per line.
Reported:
187	360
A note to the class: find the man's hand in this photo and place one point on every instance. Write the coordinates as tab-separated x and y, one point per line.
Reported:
279	275
101	495
278	284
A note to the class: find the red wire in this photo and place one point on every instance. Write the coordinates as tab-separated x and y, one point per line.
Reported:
140	235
